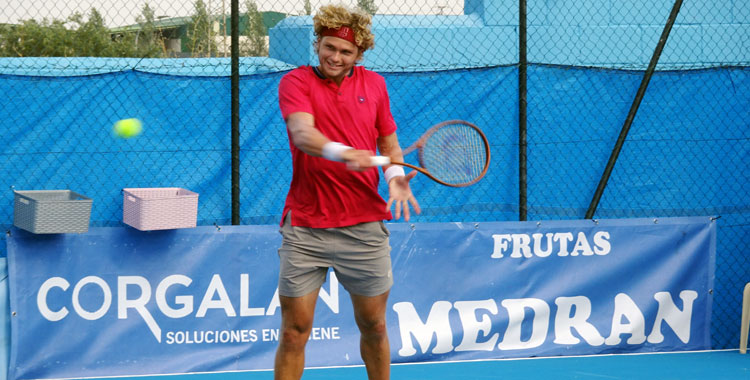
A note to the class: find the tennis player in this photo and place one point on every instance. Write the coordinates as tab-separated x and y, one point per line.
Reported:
337	115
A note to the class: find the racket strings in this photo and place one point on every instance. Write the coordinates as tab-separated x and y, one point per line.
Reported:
455	153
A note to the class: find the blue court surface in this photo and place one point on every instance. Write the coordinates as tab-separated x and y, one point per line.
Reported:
714	365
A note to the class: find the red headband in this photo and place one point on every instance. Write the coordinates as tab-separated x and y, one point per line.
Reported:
344	32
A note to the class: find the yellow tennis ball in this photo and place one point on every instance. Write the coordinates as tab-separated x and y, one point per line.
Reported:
127	128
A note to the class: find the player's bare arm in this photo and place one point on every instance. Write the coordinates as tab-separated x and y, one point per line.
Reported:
308	139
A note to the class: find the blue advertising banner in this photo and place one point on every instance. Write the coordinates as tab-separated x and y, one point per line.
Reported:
117	301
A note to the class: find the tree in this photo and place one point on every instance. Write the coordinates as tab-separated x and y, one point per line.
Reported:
308	7
149	41
199	35
91	37
72	37
255	31
35	39
367	6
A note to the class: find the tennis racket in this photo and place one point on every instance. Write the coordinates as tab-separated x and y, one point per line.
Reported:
453	153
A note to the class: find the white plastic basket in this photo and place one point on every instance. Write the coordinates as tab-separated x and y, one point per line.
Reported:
159	208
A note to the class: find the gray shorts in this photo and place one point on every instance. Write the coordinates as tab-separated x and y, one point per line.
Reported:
360	256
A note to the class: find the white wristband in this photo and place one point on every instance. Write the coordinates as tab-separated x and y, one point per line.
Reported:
333	151
393	171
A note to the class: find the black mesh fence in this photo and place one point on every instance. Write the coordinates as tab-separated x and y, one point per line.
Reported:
69	71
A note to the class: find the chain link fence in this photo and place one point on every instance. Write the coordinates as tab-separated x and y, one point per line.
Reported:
69	71
686	153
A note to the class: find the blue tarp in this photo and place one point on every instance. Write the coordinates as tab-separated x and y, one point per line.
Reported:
85	66
689	135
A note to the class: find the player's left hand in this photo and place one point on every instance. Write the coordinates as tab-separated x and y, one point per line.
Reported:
400	195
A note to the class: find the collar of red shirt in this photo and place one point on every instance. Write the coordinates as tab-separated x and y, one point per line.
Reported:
321	76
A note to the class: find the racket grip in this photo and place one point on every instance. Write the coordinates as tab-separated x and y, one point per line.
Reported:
380	160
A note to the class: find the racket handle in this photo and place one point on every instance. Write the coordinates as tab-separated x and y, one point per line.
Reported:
380	160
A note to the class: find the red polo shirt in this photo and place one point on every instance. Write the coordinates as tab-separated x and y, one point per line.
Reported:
324	193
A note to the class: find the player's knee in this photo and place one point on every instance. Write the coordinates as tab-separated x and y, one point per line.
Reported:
293	340
294	336
373	327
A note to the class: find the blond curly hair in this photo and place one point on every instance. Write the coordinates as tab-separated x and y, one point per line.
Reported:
336	16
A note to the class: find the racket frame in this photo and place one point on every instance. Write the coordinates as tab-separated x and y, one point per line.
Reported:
419	144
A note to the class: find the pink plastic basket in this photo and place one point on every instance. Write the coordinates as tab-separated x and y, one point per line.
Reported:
160	208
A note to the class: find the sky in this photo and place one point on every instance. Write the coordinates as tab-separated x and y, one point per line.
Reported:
124	12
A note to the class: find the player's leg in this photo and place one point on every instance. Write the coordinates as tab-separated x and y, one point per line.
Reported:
303	266
363	267
296	324
369	313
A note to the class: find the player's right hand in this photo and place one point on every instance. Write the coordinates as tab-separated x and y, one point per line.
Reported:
357	160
